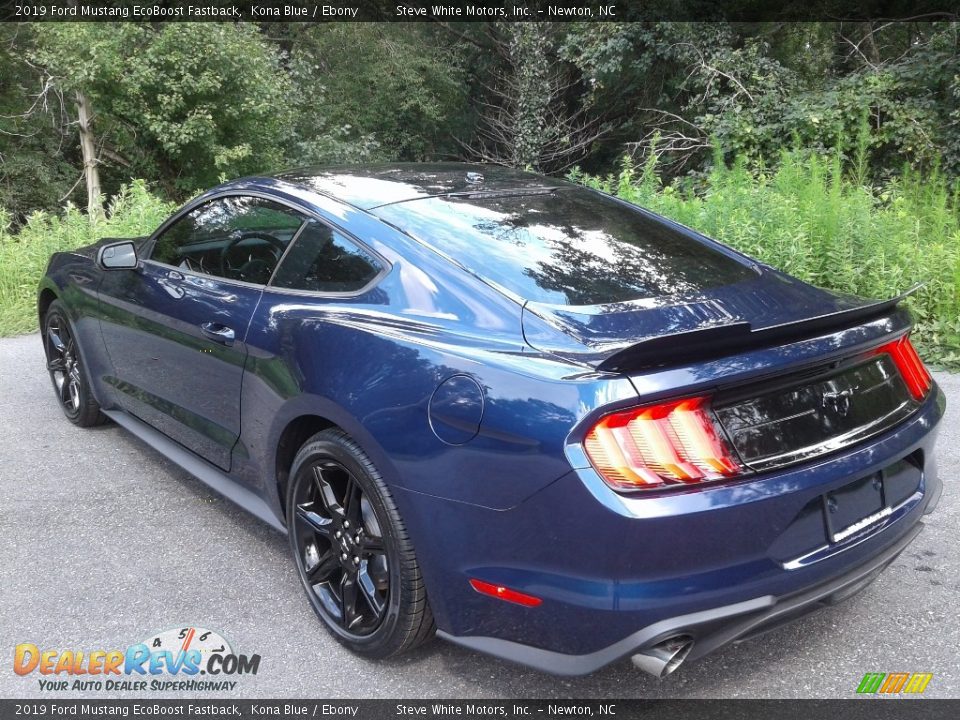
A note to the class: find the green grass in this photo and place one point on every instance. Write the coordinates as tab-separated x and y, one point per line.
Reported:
24	254
812	220
806	217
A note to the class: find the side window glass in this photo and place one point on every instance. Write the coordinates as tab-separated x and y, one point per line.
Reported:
323	260
237	237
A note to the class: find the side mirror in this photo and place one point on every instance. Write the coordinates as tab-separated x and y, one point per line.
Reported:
118	256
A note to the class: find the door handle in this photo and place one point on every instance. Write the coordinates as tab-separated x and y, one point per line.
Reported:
218	333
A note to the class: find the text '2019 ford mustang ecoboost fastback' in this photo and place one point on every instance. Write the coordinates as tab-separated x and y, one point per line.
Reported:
540	421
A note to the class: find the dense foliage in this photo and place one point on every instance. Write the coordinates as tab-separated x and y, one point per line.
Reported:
24	254
806	218
749	89
184	103
803	217
704	109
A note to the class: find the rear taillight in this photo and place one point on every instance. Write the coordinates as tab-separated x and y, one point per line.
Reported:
656	446
910	365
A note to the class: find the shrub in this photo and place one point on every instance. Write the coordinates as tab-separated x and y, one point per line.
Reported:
24	254
805	217
811	220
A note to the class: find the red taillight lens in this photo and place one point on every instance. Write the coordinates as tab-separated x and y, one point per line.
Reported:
660	445
910	365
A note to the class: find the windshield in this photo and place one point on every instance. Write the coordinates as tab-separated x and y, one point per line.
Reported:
566	247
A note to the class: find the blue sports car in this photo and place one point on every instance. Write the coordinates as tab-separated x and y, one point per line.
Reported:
528	417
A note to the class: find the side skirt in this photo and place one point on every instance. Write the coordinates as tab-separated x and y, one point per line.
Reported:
211	476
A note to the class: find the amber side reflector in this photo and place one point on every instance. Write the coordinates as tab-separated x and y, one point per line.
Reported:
911	367
504	593
674	443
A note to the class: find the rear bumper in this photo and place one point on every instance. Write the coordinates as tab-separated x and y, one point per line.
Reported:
710	629
619	573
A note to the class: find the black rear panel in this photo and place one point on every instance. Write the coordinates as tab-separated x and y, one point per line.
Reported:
817	415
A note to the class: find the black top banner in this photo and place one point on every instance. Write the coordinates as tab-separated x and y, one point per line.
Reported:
513	10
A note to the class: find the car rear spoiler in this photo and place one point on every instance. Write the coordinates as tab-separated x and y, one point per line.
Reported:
711	341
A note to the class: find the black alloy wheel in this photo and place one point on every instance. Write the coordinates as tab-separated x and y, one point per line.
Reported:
66	371
351	550
342	548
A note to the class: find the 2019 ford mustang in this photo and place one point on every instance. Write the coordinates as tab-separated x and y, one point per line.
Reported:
538	420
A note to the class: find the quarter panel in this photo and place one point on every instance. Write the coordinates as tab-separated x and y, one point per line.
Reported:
371	364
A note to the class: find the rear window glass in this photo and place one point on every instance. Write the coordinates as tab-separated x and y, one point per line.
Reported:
566	247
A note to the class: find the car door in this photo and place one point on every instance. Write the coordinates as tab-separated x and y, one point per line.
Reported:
175	327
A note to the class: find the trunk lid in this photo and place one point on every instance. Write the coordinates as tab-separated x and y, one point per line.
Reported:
656	332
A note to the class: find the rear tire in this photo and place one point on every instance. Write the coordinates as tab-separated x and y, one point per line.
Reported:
69	377
352	552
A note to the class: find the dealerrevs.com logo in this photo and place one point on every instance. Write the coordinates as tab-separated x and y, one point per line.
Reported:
189	659
901	683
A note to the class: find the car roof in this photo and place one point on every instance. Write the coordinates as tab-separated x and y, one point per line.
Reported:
370	186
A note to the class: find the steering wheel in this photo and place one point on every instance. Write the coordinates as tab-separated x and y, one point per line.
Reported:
252	267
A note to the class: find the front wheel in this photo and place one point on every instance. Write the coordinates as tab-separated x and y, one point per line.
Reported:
66	370
351	549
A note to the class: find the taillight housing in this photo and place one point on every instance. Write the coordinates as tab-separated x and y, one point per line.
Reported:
657	446
915	375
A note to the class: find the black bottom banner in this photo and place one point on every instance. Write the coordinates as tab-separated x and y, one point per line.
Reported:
859	709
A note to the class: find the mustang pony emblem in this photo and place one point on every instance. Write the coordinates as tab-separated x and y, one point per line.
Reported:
839	401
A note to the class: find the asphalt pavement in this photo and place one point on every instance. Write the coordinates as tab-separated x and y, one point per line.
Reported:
104	543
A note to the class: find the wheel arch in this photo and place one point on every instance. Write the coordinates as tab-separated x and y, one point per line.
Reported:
292	437
309	415
45	298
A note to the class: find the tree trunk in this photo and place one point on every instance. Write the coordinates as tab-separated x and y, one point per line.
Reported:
90	170
868	45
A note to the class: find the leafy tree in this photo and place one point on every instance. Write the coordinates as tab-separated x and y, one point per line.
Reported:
38	166
532	113
367	91
183	104
187	102
752	88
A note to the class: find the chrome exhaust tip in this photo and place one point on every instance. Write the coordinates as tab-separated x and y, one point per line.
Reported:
664	657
